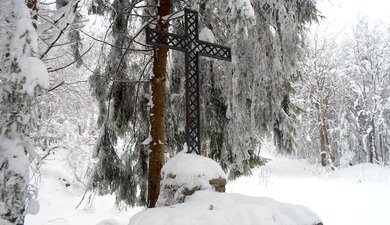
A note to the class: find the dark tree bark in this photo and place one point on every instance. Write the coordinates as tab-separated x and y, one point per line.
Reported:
371	139
32	4
324	134
157	112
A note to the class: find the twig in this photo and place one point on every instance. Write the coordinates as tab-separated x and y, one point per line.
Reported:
115	46
77	82
123	80
66	43
63	67
48	152
82	199
60	33
55	87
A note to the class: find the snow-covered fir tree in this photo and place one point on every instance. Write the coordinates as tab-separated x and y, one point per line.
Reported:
334	110
22	77
241	102
123	114
247	99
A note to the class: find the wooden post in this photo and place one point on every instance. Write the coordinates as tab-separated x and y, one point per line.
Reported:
157	112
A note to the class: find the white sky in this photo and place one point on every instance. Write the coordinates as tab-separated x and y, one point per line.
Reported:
342	14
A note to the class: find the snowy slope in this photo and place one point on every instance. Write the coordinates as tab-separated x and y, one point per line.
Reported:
357	195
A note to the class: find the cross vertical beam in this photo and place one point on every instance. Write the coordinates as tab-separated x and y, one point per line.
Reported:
190	44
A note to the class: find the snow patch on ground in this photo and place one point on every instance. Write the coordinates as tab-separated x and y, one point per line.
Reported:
59	195
110	221
351	195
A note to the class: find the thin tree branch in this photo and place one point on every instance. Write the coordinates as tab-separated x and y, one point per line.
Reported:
60	33
76	82
66	43
56	86
136	95
114	46
74	61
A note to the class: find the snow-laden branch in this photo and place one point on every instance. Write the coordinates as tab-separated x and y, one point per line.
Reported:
53	27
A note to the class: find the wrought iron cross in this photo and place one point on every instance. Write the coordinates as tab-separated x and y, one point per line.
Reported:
190	44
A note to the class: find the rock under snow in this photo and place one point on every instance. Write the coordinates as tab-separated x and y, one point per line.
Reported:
185	173
212	208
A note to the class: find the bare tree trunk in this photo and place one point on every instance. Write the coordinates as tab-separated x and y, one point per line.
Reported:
381	146
372	143
324	136
370	151
324	146
157	117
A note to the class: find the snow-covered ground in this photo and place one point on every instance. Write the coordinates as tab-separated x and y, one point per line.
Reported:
357	195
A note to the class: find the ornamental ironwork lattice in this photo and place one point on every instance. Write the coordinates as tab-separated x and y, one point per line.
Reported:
190	44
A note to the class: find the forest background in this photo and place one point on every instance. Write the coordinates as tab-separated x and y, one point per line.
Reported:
320	96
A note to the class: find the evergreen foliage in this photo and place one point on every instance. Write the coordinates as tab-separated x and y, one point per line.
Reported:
20	84
121	104
332	106
241	103
247	99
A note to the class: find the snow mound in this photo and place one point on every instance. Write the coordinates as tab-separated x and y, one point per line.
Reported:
184	174
206	35
187	167
212	208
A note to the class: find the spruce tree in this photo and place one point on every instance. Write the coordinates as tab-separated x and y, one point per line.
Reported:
247	99
241	102
22	77
113	172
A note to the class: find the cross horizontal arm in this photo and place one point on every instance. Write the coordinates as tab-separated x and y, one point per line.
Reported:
165	40
215	51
